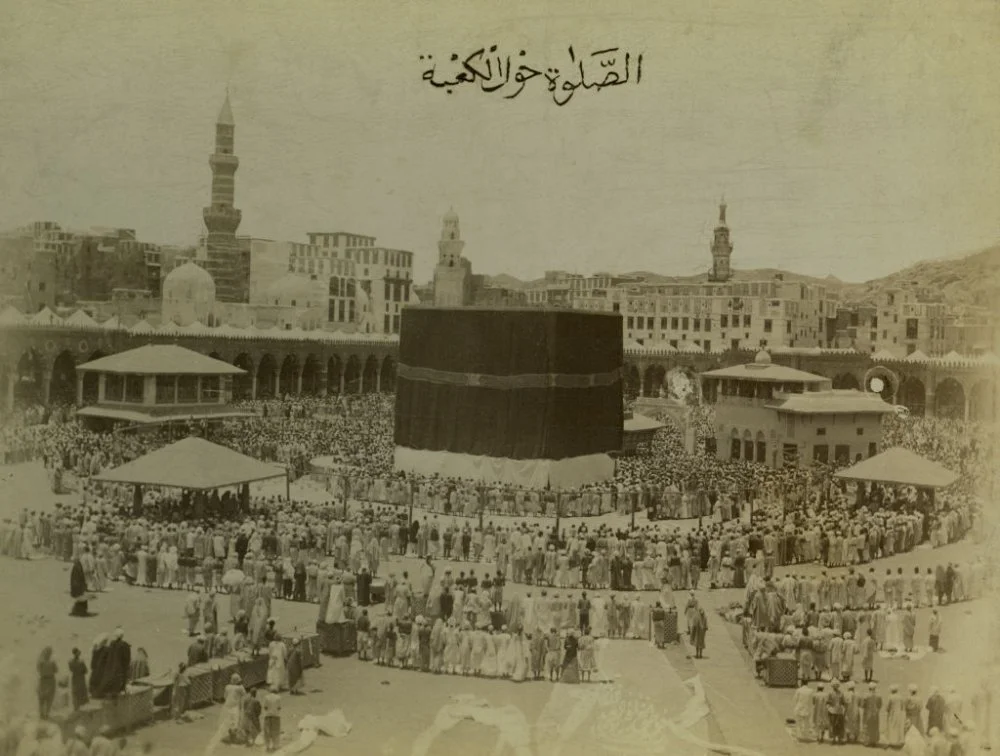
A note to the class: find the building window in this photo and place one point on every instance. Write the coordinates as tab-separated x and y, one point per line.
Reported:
708	324
187	389
872	449
842	454
821	431
684	324
673	324
166	389
134	388
210	389
114	387
386	324
861	431
821	453
746	321
912	328
767	325
724	321
631	322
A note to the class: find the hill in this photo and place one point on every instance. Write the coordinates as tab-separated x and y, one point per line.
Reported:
969	280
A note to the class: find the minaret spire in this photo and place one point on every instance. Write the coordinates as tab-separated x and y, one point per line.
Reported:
721	248
222	218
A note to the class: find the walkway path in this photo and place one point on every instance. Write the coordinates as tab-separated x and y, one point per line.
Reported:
739	704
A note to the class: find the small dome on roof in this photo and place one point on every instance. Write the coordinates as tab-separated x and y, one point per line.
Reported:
451	215
763	357
187	274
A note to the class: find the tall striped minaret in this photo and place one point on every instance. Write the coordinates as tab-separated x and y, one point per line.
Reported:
221	217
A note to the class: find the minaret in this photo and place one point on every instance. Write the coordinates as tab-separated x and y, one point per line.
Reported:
453	273
451	245
722	249
221	217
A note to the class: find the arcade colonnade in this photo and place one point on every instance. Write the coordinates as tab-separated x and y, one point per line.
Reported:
38	364
40	368
966	389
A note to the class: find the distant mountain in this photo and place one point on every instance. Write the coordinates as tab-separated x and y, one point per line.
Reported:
968	280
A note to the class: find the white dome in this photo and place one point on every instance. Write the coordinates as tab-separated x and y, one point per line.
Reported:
188	274
188	295
763	357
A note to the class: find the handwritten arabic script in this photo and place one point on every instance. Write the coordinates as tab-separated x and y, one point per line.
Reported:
509	74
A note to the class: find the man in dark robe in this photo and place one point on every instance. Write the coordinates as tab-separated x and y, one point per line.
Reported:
364	587
119	661
78	590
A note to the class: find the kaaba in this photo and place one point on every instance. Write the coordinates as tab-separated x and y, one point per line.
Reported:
528	397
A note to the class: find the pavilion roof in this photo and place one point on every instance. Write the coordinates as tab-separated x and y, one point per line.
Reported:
901	467
195	464
161	359
770	372
835	401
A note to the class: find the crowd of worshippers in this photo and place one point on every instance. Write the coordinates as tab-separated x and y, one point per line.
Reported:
358	432
441	646
112	668
19	737
942	724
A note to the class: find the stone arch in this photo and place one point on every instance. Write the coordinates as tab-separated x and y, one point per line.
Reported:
761	440
846	381
631	381
981	405
62	386
266	369
352	375
370	377
388	372
653	380
913	395
333	370
243	384
91	382
28	378
949	399
288	378
311	384
748	447
890	383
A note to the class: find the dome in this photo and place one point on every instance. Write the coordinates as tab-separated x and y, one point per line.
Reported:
188	274
188	295
763	357
451	216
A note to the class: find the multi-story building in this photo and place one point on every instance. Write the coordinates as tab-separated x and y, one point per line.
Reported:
856	327
384	275
28	275
105	259
910	320
561	289
973	331
709	313
783	417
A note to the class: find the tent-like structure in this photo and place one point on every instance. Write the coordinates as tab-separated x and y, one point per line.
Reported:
193	464
900	467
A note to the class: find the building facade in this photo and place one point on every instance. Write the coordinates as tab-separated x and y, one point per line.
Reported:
782	417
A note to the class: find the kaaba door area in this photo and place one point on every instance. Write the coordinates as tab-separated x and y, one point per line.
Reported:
521	396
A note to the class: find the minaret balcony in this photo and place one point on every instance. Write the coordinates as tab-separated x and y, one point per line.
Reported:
219	160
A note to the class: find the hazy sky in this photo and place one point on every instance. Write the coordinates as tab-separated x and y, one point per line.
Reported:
848	137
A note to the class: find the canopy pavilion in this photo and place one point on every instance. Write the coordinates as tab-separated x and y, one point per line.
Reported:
898	466
156	384
197	465
638	430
